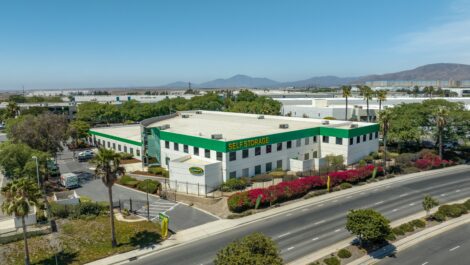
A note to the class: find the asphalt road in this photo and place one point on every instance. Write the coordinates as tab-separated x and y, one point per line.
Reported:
181	215
311	228
452	247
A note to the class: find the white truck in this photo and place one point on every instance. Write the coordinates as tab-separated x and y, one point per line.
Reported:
69	180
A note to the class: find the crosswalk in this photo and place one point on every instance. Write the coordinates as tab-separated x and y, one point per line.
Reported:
155	208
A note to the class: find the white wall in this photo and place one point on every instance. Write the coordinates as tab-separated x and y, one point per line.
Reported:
123	144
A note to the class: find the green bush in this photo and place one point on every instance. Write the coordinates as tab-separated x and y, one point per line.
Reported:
234	184
165	173
77	211
126	156
368	159
375	155
418	223
344	253
261	178
407	228
132	183
398	231
277	174
345	185
409	170
156	170
467	204
332	261
125	179
148	185
406	159
453	210
391	237
439	216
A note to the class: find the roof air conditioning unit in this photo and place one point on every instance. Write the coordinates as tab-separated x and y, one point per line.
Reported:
353	125
198	112
164	127
325	122
283	126
185	116
216	136
260	117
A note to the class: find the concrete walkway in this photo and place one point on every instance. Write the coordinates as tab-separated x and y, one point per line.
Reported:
219	226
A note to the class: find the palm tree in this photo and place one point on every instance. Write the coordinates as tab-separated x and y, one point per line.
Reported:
367	94
381	96
441	121
346	94
431	91
12	110
384	120
20	195
108	168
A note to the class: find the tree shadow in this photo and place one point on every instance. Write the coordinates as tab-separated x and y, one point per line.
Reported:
378	250
144	239
62	258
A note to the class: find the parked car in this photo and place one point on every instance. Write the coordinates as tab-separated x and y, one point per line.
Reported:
53	168
450	145
69	180
85	155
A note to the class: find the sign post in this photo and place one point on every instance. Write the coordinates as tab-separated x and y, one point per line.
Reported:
328	182
164	220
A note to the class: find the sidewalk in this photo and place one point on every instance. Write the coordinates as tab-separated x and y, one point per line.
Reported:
219	226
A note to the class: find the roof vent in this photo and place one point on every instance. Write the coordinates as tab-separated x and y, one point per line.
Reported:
353	125
216	136
260	117
198	112
185	116
325	122
283	126
164	127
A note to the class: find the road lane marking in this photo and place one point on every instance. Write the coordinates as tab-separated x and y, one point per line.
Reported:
412	204
457	191
443	194
291	248
337	230
319	222
380	202
425	263
403	195
394	210
316	238
454	248
283	235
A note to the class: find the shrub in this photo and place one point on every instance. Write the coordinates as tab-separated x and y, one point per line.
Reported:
418	223
391	237
156	170
407	228
362	163
332	261
406	159
238	202
375	155
398	231
277	174
368	159
90	208
125	179
126	156
345	185
234	184
76	211
467	204
261	178
453	210
132	183
409	170
344	253
439	216
148	185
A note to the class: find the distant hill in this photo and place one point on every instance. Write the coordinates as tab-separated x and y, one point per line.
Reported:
438	71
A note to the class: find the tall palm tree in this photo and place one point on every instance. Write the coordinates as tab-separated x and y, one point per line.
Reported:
441	122
20	195
431	91
367	94
381	96
346	94
12	110
108	168
384	120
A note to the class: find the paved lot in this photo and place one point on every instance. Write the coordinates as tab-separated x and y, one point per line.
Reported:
181	216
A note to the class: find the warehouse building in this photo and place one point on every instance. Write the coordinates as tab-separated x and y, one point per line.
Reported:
208	148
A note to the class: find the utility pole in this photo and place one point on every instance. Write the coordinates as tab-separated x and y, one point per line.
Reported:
148	205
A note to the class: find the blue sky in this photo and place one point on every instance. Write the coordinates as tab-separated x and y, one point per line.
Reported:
90	43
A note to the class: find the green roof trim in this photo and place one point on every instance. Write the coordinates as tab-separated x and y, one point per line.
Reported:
112	137
235	145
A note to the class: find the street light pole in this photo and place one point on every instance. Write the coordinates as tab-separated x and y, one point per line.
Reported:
148	205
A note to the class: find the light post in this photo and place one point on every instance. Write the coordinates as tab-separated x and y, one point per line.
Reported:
37	170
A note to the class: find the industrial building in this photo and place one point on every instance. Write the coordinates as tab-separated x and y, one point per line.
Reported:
207	147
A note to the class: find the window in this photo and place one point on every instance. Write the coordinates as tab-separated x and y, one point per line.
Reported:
289	144
109	144
137	151
132	150
370	136
314	139
315	154
269	166
196	151
268	148
207	153
376	135
279	146
176	146
233	156
257	151
114	146
364	138
339	140
232	174
279	164
167	145
326	139
125	149
245	153
257	169
119	147
185	148
306	156
99	141
358	139
219	156
298	143
307	141
351	141
167	161
245	172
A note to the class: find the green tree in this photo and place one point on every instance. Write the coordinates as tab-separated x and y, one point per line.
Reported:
381	96
384	120
20	195
252	249
429	203
346	90
368	225
108	168
78	130
367	94
441	122
246	95
12	110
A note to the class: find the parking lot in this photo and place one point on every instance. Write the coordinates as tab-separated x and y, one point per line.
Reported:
181	215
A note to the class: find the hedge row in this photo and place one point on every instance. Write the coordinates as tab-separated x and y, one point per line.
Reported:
451	210
147	185
79	210
288	190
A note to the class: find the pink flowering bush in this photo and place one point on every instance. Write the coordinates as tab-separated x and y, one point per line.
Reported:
288	190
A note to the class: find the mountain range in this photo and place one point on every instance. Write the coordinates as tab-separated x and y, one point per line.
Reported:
438	71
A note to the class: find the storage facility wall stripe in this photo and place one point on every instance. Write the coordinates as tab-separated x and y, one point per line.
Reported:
112	137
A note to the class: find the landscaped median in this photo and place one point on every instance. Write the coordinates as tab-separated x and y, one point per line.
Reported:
147	185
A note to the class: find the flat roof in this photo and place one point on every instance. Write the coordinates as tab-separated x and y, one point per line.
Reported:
235	126
125	132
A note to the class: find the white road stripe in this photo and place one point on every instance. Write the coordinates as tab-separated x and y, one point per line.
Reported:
394	210
291	248
403	195
283	235
425	263
411	204
457	191
380	202
443	194
454	248
337	230
319	222
316	238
